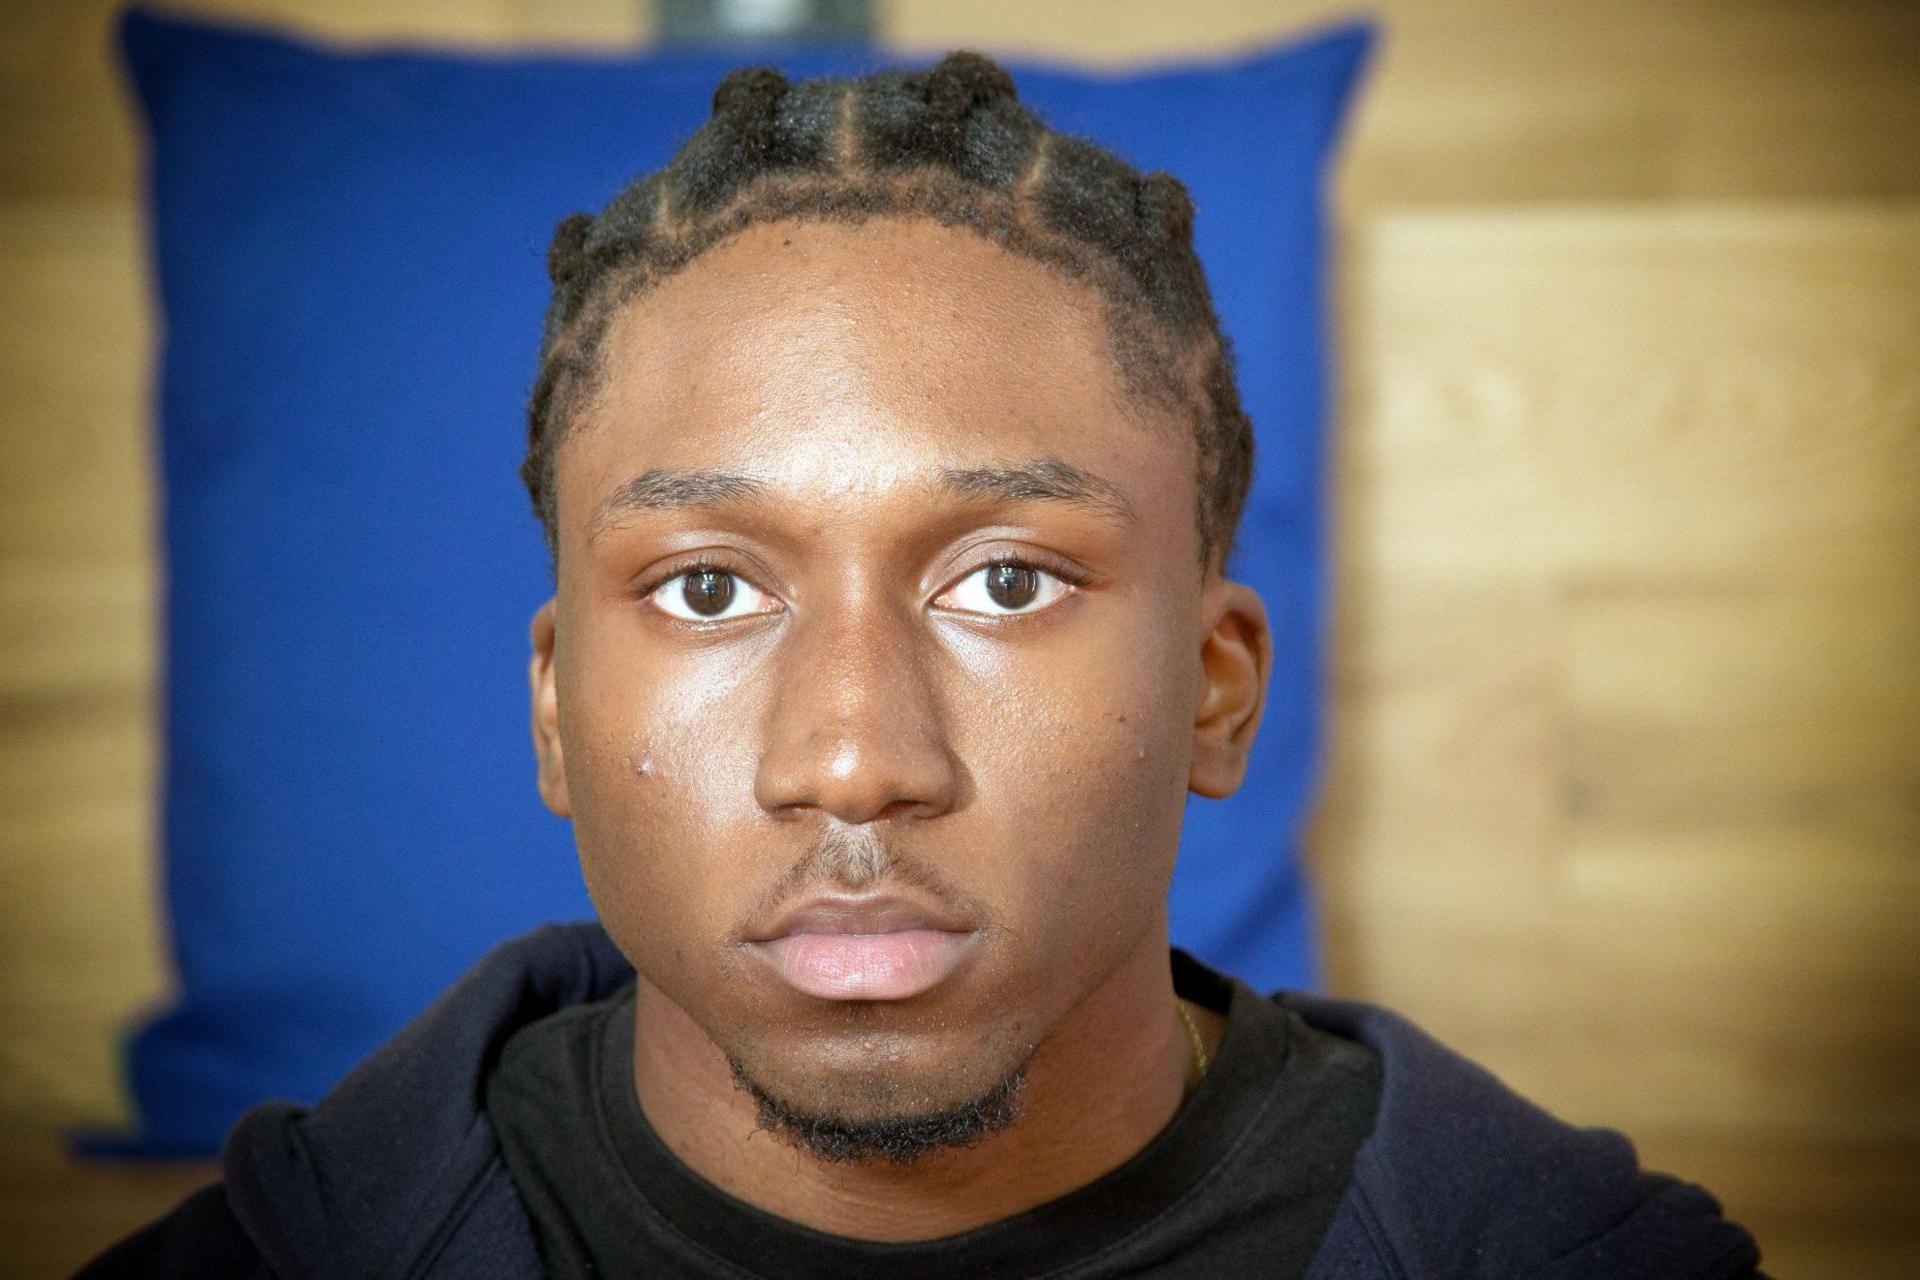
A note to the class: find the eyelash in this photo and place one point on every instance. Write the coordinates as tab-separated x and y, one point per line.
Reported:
1072	575
702	565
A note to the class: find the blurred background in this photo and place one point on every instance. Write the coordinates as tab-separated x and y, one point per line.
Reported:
1623	791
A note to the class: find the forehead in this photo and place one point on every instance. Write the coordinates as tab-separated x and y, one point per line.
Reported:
833	358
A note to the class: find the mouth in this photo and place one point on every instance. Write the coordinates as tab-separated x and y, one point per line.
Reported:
875	948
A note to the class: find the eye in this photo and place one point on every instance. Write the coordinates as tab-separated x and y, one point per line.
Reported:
1004	588
706	594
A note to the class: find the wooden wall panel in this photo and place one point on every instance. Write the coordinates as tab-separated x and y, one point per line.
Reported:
1622	795
1751	369
76	758
1512	100
1625	794
80	939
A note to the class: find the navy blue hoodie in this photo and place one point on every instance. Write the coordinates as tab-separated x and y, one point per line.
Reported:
397	1171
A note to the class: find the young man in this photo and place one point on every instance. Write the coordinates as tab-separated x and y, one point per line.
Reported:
889	454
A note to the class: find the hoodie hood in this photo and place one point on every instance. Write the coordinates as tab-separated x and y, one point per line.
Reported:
397	1172
1462	1177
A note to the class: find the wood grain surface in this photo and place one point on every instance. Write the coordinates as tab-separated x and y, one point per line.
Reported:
1623	790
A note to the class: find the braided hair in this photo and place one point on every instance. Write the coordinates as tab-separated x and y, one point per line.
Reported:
951	144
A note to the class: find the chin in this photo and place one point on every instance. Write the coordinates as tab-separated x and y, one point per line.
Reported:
865	1067
885	1111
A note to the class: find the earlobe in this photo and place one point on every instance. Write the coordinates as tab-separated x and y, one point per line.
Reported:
1236	657
546	713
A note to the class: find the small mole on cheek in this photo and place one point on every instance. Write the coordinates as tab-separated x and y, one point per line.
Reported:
640	756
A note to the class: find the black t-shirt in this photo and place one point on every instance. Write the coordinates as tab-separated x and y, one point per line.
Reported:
1243	1182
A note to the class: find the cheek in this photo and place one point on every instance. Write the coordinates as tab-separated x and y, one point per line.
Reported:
1080	764
657	770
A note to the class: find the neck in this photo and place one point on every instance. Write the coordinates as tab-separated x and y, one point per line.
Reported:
1109	1077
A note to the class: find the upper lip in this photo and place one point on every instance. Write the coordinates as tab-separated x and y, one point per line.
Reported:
858	913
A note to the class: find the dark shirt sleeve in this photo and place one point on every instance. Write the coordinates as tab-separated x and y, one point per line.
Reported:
201	1238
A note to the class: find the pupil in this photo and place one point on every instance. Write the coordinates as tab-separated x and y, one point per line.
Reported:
707	591
1012	586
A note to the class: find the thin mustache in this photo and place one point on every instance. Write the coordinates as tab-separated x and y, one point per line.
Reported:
845	858
857	858
851	857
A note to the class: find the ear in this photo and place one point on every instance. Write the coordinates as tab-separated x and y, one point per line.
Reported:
1236	657
546	714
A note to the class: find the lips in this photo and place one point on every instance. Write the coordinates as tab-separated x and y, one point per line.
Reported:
880	948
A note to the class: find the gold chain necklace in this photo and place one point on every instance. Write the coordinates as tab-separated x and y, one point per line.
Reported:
1193	1038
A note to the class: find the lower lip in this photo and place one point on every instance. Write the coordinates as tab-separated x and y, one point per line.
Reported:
865	966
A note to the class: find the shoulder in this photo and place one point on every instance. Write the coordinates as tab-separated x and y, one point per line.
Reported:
201	1238
1462	1176
398	1169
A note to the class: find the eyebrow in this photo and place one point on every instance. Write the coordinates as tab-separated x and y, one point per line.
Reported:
667	489
1033	480
1040	479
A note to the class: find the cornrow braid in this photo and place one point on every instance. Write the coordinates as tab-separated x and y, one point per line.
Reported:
951	144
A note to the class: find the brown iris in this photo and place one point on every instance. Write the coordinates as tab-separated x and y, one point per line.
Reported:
707	592
1012	586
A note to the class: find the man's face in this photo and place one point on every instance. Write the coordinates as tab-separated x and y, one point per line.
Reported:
877	658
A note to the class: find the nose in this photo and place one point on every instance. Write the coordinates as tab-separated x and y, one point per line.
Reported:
856	726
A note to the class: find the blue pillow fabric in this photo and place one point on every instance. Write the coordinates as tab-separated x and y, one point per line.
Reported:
350	259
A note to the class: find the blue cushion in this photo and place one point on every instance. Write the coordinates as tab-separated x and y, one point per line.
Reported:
350	254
